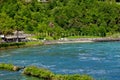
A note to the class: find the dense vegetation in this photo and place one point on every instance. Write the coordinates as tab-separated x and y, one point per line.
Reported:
60	18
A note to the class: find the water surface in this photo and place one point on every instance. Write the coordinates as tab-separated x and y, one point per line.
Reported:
100	60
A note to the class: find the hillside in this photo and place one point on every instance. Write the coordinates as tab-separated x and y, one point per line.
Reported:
60	18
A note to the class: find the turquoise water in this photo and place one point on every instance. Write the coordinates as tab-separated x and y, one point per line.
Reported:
100	60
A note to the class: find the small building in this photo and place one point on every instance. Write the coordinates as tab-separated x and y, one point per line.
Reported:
1	38
44	1
28	1
17	36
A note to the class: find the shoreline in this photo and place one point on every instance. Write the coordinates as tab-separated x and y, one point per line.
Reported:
37	43
80	40
64	41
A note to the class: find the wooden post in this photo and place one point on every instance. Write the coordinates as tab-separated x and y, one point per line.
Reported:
17	36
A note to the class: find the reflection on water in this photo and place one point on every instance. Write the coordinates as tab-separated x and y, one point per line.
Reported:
100	60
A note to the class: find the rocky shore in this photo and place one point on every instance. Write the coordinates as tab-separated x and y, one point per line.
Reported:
80	40
60	41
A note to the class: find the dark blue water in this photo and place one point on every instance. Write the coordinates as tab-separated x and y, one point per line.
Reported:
100	60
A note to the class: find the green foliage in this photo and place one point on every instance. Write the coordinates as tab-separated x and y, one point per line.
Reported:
74	37
6	66
31	43
116	35
89	17
49	38
48	75
5	45
10	67
72	77
43	74
38	72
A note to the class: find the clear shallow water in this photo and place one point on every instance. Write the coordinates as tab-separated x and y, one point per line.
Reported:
100	60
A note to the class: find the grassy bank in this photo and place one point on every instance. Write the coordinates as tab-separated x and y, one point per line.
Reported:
33	43
13	45
75	37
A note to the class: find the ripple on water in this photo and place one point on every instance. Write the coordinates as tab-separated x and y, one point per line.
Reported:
117	56
2	56
70	71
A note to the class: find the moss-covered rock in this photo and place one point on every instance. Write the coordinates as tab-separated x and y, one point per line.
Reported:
38	72
72	77
10	67
43	73
48	75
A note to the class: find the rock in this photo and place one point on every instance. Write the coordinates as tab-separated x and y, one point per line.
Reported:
16	68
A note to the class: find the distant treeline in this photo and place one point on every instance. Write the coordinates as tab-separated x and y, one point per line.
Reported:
87	17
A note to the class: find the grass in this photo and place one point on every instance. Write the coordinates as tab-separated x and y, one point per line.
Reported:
115	35
9	67
48	75
13	45
6	66
38	72
33	43
72	77
69	37
74	37
43	74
